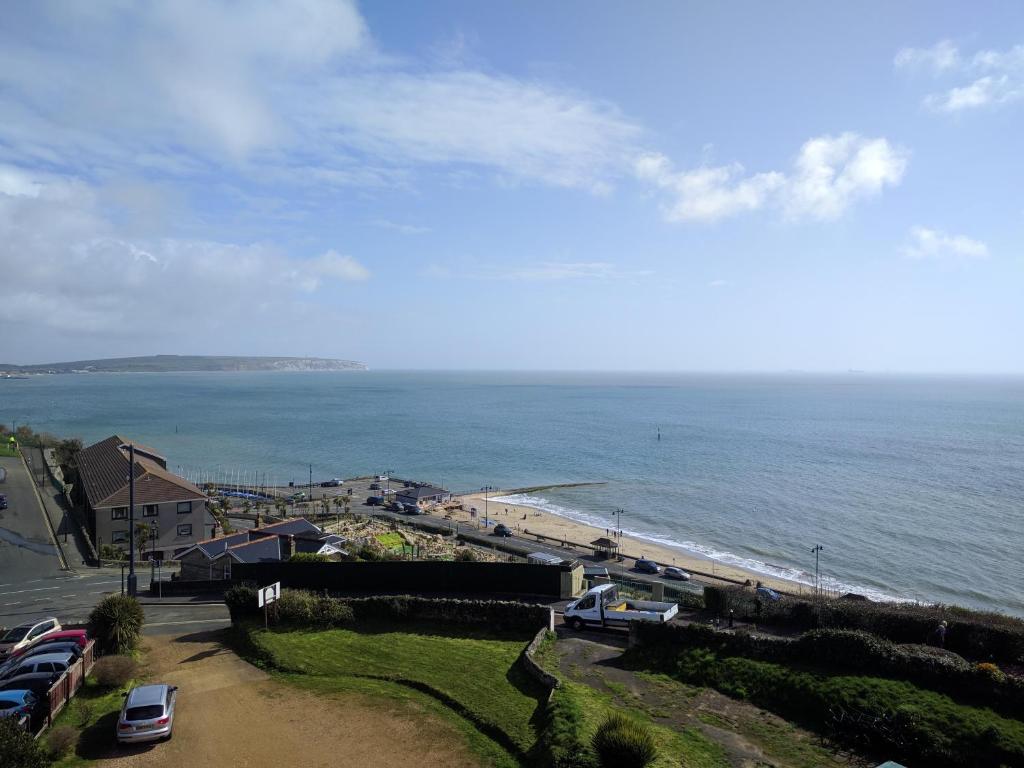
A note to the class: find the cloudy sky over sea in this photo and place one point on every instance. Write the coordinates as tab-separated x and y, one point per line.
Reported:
462	184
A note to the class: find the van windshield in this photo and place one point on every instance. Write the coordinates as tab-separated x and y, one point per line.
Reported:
14	635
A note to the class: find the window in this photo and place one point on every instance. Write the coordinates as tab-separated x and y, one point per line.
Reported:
184	507
150	510
119	513
185	530
119	537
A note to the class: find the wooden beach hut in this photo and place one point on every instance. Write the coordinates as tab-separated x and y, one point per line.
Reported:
605	548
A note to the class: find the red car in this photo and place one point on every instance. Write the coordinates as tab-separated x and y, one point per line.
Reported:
79	636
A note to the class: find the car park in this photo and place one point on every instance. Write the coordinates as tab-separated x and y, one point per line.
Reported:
147	714
37	682
15	703
26	634
671	572
502	530
47	662
647	566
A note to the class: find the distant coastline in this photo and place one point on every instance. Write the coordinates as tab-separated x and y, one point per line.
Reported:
182	363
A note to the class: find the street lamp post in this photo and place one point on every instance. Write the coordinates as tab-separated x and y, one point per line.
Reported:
132	580
486	489
618	523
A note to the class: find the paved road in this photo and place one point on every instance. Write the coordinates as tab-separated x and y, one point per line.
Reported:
67	595
27	550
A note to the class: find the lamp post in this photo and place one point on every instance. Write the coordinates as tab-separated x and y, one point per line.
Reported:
132	580
154	534
486	489
817	582
618	523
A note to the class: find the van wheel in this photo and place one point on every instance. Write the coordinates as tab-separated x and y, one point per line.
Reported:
577	624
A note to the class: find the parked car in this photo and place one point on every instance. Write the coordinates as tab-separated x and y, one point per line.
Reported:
410	509
374	486
48	662
3	501
79	636
394	506
647	566
374	501
502	530
602	605
147	714
68	646
671	572
14	703
37	682
26	634
382	478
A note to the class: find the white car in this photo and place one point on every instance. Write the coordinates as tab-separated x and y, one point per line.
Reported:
45	662
147	714
26	634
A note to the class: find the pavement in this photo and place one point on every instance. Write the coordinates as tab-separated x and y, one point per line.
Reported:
27	547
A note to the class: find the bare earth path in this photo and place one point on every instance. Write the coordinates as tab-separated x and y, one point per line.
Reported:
231	714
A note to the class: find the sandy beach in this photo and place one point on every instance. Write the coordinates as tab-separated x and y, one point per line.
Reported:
524	519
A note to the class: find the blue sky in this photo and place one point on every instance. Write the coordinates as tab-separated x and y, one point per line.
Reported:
695	186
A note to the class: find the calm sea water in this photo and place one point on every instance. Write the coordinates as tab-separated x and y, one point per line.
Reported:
914	486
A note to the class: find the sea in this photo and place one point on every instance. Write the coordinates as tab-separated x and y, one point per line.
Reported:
912	486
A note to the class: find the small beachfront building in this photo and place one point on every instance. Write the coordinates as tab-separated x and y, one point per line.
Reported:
422	496
605	548
166	503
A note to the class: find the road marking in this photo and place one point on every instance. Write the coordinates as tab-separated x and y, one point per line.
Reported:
6	604
19	591
190	621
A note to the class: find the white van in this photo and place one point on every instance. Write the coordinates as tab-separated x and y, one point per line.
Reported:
602	605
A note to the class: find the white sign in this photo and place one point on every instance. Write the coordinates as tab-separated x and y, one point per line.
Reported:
269	594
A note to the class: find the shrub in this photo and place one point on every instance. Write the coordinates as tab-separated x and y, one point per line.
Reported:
60	740
370	553
990	671
465	555
621	742
18	748
308	557
115	671
116	623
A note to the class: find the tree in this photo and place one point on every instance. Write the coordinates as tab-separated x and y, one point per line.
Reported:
17	747
143	534
116	623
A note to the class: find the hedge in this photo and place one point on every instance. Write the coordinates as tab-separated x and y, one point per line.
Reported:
972	634
299	608
852	651
871	714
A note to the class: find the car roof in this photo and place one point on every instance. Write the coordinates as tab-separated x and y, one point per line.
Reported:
147	694
34	622
14	695
63	656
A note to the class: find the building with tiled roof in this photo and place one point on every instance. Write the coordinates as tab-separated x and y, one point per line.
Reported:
171	507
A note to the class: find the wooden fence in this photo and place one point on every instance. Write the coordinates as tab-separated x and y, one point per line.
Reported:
67	686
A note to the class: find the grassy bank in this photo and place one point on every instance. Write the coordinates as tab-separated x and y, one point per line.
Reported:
473	675
93	712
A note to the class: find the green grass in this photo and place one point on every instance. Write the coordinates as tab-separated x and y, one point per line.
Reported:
6	451
93	711
478	673
390	540
687	747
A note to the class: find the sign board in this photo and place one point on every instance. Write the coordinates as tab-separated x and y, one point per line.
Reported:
267	595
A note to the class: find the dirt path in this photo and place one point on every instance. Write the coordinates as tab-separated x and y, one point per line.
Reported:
231	714
750	736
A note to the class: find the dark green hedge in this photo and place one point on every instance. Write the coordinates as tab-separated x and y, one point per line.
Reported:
974	634
314	610
848	651
874	715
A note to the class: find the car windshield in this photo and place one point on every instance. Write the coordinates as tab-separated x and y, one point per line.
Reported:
149	712
14	635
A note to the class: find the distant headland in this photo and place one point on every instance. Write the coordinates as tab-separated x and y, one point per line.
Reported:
177	363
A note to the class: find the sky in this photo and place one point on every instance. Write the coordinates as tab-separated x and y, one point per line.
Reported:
575	185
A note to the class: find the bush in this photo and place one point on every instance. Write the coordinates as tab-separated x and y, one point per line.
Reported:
115	671
17	747
116	623
60	740
370	553
307	609
466	555
308	557
621	742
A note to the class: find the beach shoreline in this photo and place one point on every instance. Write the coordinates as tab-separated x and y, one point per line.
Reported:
527	520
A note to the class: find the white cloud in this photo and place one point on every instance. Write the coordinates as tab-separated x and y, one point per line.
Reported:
988	78
933	244
65	264
396	226
830	173
718	283
279	90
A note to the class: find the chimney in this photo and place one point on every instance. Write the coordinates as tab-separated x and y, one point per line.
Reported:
287	547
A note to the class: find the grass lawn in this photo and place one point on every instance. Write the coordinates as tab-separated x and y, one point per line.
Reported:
477	672
7	451
390	540
93	711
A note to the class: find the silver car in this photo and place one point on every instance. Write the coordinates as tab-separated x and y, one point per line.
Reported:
147	714
46	662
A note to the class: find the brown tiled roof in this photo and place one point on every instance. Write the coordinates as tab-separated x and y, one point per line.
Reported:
103	468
